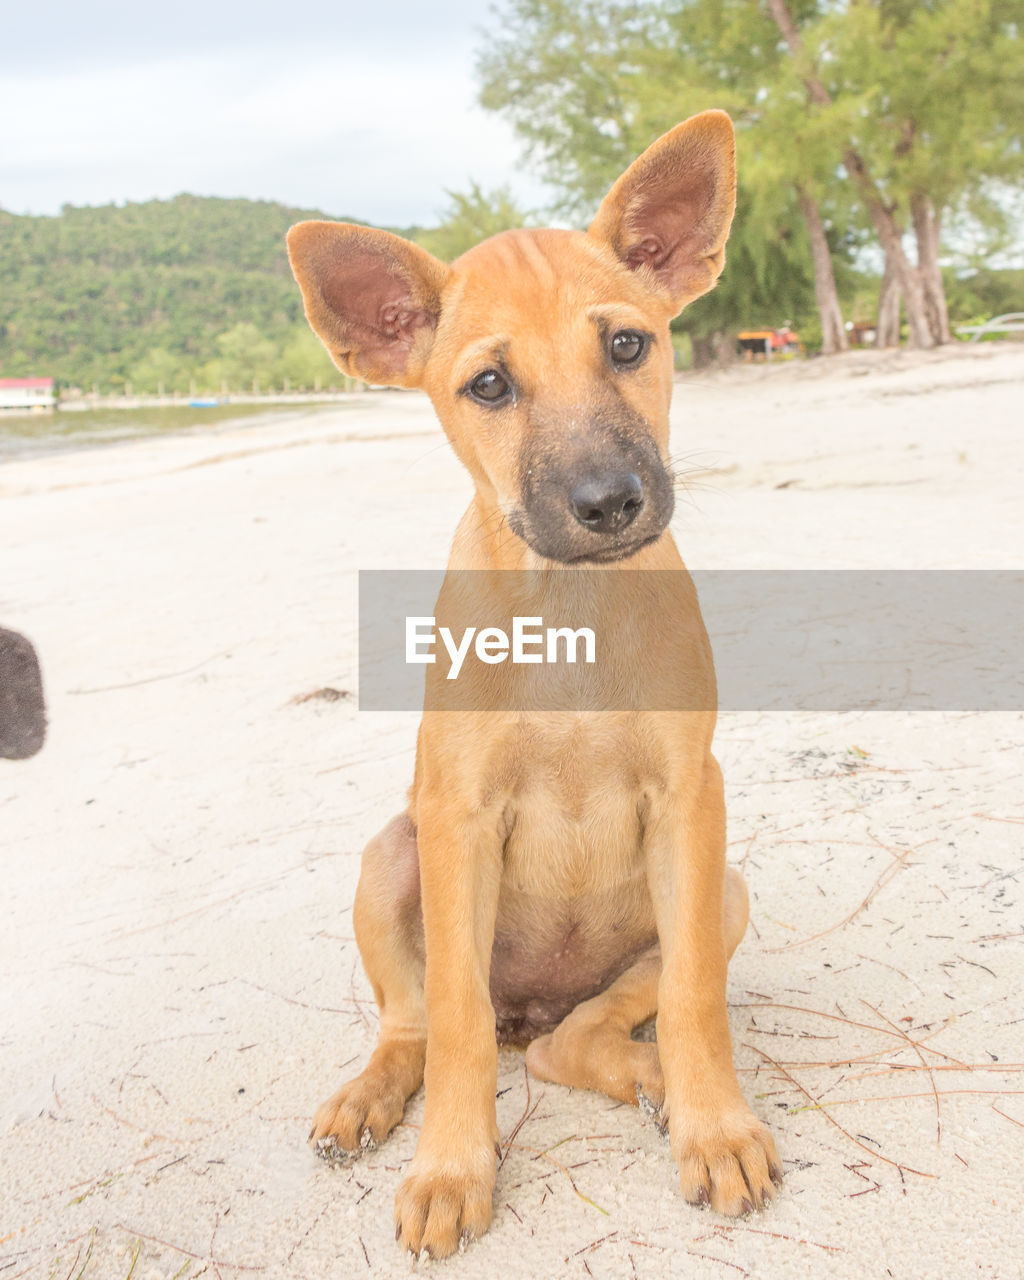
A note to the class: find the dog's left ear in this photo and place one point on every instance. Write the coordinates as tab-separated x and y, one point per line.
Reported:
670	212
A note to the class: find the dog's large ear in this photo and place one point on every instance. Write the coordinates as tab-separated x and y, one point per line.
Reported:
670	212
372	298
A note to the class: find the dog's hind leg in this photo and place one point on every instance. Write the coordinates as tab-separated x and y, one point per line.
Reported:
389	930
592	1048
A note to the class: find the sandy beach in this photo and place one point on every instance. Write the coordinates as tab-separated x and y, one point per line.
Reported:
181	987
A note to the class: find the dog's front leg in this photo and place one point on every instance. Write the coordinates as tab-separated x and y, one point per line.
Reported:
445	1198
726	1157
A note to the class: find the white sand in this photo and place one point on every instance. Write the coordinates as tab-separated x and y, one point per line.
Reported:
180	984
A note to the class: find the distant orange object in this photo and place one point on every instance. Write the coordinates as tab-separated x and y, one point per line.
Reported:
768	342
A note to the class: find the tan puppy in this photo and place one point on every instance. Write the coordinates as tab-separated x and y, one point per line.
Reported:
558	876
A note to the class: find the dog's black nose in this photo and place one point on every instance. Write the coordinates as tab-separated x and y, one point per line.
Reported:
609	502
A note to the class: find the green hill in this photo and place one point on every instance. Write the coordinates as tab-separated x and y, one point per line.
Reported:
158	293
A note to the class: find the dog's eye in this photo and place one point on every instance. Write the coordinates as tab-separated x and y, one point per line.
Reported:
489	387
627	346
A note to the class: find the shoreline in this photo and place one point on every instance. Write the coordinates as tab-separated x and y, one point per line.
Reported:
62	428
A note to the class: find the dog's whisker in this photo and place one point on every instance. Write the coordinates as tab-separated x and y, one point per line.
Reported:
414	462
484	530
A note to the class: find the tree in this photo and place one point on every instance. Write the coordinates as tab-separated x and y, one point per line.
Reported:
939	81
784	160
766	281
303	363
588	86
881	213
140	293
564	73
159	370
949	89
246	355
890	111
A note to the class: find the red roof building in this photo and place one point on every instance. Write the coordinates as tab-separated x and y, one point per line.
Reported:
26	393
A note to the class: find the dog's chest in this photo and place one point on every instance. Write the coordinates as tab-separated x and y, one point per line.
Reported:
574	813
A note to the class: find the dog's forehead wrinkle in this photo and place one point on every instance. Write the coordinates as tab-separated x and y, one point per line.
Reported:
622	314
559	358
565	270
492	350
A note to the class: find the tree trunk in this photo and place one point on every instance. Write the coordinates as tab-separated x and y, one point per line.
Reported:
888	332
926	231
703	350
833	331
891	240
724	347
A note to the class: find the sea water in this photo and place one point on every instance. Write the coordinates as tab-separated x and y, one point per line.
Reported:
25	435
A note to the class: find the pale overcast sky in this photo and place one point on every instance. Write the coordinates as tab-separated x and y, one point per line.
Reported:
365	110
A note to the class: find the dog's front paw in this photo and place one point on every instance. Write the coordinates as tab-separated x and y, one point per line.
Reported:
356	1119
439	1208
726	1159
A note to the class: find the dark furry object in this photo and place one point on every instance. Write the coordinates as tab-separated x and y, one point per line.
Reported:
22	708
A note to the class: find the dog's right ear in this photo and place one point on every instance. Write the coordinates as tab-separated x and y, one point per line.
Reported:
372	298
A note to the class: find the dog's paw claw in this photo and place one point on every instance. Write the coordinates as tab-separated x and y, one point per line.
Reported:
328	1150
651	1112
725	1159
367	1141
439	1211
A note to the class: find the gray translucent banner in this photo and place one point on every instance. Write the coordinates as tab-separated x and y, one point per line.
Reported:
622	640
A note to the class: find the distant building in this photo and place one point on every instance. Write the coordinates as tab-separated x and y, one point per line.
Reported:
863	333
26	393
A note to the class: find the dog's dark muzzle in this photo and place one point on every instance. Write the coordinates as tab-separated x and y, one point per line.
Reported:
599	497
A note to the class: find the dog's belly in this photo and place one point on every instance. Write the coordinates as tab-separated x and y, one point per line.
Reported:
574	910
551	954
